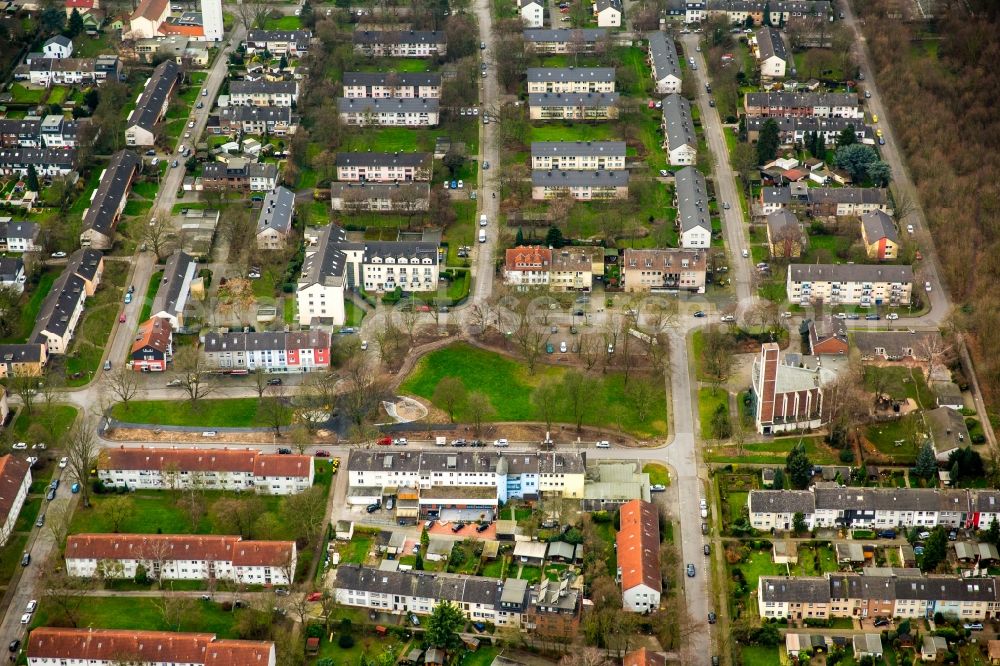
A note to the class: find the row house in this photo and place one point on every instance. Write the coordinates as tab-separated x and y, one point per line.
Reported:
412	266
51	646
107	203
407	85
143	468
280	351
760	12
847	201
527	267
294	43
664	270
831	506
384	167
679	140
153	346
387	197
400	43
898	346
850	284
578	155
795	129
152	104
567	269
786	397
263	93
580	185
565	40
181	557
23	360
388	112
273	120
637	547
50	162
74	71
19	236
15	480
662	57
571	79
60	312
823	105
575	106
510	475
51	131
691	202
240	174
898	594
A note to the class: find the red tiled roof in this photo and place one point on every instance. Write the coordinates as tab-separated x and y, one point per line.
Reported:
12	473
179	29
179	547
206	460
145	646
644	657
639	546
80	4
154	333
519	258
150	9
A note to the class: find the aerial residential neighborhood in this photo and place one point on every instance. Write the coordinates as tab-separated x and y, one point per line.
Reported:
506	333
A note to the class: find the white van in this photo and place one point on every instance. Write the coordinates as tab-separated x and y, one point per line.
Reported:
483	220
482	235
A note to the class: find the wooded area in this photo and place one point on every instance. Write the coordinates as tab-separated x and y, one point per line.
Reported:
942	89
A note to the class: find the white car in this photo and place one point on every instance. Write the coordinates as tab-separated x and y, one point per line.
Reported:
26	618
562	347
909	228
664	173
840	315
728	318
32	605
746	253
892	316
63	462
927	286
190	124
603	444
501	443
20	446
461	184
364	345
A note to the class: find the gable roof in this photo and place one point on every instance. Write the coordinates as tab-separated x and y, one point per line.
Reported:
102	212
179	547
154	96
276	213
644	657
639	546
692	199
12	474
770	44
108	645
149	9
585	35
878	225
577	148
205	460
566	74
154	333
177	276
678	124
849	273
663	54
528	258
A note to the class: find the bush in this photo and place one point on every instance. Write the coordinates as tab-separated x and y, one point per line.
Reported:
345	642
314	631
847	456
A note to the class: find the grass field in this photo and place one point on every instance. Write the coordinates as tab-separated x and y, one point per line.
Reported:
395	65
55	419
31	304
736	503
568	131
886	435
10	555
508	385
760	656
147	304
709	400
94	329
142	613
658	474
155	512
224	413
758	564
356	551
900	383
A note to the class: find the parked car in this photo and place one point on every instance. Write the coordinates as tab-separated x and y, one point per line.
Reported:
892	316
690	570
872	317
63	462
322	454
711	617
501	443
14	645
20	446
603	444
51	495
482	527
457	527
657	488
699	314
26	559
41	520
373	507
284	450
75	488
974	626
274	382
881	622
707	549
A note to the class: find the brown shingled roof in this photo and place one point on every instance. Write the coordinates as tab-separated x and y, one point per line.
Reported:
179	547
145	646
639	545
186	460
238	653
644	657
153	333
523	257
282	465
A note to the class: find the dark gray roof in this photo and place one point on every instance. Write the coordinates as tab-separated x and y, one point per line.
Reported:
776	195
692	199
277	211
268	87
677	122
513	463
60	40
298	36
592	100
779	220
457	589
171	291
398	37
800	590
801	100
770	44
948	429
849	273
85	262
10	268
254	113
604	4
571	74
565	34
856	195
26	353
154	95
382	190
58	306
399	79
877	225
577	148
616	178
239	168
894	342
411	251
19	229
663	53
375	159
326	265
39	157
113	189
263	341
985	501
809	124
781	501
387	105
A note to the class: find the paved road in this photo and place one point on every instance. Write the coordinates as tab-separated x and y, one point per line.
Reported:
489	204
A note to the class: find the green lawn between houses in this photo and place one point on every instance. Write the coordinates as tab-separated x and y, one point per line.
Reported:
142	614
508	385
222	413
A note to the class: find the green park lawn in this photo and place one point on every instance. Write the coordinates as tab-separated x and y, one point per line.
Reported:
357	550
157	512
900	383
395	65
709	400
55	419
92	334
223	413
759	656
508	385
569	131
885	437
31	303
658	474
142	614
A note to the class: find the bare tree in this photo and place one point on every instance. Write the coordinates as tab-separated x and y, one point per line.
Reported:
480	409
158	234
305	512
259	380
25	387
236	299
82	449
577	390
123	382
66	593
193	504
194	374
58	517
934	349
362	388
545	399
174	609
237	516
275	407
251	13
117	510
451	395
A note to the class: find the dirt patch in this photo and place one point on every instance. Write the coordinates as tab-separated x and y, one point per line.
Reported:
170	437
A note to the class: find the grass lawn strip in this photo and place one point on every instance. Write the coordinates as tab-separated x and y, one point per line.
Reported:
709	400
658	474
222	413
143	614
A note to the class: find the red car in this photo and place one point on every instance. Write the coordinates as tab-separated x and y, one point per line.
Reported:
384	441
121	319
315	596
